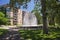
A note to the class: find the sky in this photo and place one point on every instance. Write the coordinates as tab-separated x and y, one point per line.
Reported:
30	4
2	2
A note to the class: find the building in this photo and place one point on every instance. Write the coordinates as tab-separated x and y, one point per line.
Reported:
16	17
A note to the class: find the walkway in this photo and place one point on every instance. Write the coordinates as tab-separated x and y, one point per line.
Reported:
14	35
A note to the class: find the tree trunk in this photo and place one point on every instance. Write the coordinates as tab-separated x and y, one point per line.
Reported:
52	21
45	26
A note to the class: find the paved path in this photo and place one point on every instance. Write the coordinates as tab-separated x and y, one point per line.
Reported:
14	35
11	35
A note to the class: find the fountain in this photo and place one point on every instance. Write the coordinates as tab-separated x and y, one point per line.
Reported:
29	19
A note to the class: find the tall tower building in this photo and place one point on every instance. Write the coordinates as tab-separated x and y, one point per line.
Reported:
15	18
18	17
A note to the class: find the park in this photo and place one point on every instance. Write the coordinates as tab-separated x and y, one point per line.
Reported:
30	20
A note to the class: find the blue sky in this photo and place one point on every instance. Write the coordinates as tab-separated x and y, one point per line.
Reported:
3	2
30	4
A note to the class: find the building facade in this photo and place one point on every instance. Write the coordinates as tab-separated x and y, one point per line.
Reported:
15	18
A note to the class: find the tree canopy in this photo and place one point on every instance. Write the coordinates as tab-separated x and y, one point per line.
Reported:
3	19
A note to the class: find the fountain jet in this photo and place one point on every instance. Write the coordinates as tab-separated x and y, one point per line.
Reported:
29	19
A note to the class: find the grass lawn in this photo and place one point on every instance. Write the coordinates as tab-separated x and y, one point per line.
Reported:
54	33
3	32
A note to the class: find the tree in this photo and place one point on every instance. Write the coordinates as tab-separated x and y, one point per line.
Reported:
2	9
19	2
44	15
45	26
53	7
37	11
3	19
50	10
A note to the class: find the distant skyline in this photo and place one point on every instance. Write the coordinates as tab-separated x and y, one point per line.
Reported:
30	5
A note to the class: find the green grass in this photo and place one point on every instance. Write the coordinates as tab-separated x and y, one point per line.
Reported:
3	31
54	33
